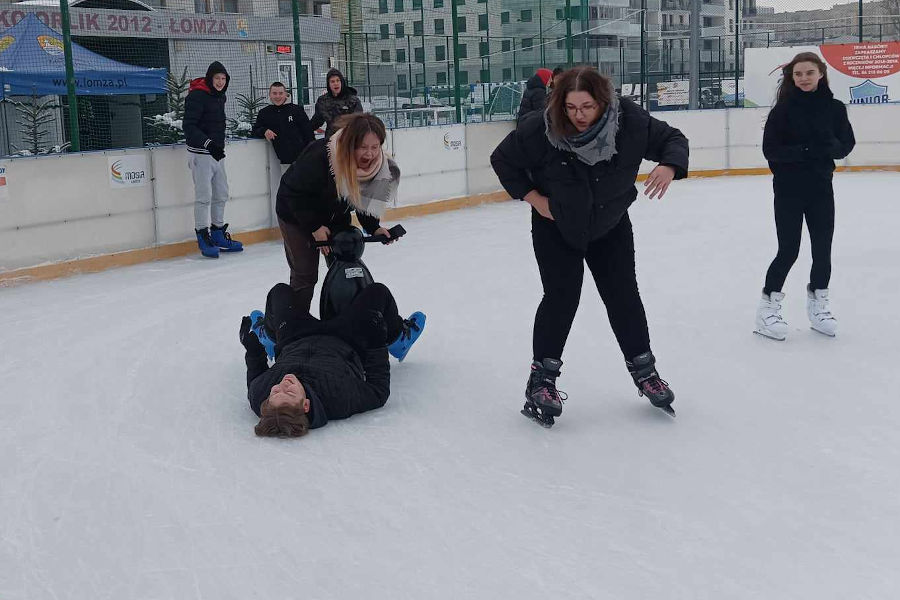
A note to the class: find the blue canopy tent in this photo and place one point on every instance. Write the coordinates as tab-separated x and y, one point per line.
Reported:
32	62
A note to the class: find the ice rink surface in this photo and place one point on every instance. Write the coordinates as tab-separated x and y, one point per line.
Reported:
129	468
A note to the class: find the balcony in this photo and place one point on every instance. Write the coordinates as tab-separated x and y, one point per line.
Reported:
675	28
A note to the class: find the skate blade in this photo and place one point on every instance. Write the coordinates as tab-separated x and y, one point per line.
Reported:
667	409
545	422
825	333
766	334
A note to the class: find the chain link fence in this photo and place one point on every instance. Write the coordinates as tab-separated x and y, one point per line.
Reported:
98	74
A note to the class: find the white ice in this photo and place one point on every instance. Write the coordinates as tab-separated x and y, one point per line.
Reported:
129	468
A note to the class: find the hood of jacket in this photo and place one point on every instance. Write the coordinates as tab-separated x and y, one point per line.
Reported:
205	83
535	82
346	90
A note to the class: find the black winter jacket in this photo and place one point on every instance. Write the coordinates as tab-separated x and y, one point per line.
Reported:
329	107
535	96
204	111
803	136
308	195
339	381
587	201
291	126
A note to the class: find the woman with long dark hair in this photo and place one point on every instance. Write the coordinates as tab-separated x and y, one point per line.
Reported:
576	164
348	172
806	131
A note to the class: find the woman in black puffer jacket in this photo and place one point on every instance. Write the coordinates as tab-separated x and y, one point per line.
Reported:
806	130
576	164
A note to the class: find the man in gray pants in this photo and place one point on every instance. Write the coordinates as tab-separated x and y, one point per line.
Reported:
204	129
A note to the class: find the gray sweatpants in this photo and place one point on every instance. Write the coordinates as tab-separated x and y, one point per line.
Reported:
210	189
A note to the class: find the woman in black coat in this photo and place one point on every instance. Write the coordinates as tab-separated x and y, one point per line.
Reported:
806	130
331	178
576	164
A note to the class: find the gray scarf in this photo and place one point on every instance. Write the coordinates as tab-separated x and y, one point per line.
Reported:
596	144
379	192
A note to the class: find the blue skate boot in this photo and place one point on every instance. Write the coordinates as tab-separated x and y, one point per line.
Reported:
412	329
258	326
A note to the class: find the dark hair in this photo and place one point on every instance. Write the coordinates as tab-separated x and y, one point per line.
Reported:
557	71
578	79
277	84
787	87
283	422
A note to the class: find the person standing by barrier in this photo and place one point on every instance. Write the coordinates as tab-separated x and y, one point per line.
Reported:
576	164
806	131
204	130
285	125
331	178
338	100
534	98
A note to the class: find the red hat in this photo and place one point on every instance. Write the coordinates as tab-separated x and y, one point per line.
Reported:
545	74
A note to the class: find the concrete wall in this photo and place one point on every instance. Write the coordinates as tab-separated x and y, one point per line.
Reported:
65	207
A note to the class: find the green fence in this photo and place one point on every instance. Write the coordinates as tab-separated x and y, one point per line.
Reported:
413	62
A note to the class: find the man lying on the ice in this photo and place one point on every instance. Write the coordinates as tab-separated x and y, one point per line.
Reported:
323	369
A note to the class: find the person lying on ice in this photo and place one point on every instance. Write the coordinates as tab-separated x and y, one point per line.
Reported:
324	370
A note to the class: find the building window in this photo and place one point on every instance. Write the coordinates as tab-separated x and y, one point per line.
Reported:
527	43
463	78
526	73
560	44
439	26
384	31
398	5
462	51
417	27
707	21
507	75
398	30
401	82
386	56
401	55
284	8
382	6
419	54
483	49
439	3
560	14
505	46
485	76
525	16
504	17
482	22
441	78
461	24
440	53
417	4
460	2
420	79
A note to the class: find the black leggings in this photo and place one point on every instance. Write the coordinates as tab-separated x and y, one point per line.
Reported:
371	321
611	261
790	208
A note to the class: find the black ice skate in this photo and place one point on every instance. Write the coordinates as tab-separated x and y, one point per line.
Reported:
643	370
542	400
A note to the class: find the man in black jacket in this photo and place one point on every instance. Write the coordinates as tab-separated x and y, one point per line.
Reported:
323	369
535	96
204	130
284	124
340	99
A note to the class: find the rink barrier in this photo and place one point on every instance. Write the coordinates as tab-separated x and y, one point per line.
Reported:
62	214
96	264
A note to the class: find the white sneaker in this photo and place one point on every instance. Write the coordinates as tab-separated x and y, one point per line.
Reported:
819	312
769	322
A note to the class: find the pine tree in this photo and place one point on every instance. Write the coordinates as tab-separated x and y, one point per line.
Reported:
249	108
167	126
34	119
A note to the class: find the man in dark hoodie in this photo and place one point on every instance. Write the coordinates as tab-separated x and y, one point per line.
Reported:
340	99
284	124
204	130
535	95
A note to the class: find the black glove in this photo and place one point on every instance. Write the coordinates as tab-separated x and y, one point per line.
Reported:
216	151
249	339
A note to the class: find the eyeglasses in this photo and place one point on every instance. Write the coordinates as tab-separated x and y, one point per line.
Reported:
584	110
